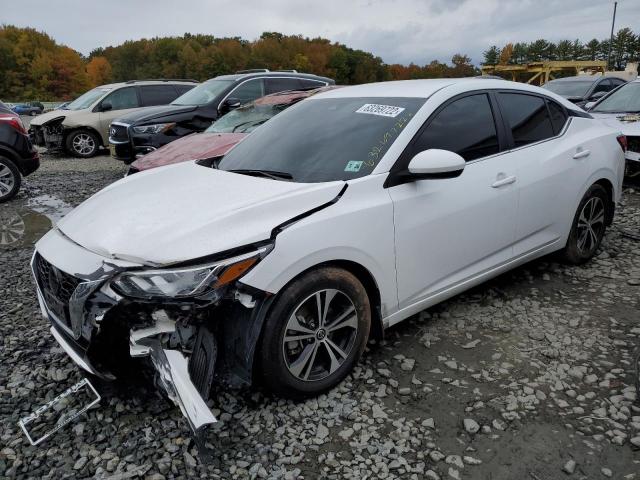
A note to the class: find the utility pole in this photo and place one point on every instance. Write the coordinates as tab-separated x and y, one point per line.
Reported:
613	22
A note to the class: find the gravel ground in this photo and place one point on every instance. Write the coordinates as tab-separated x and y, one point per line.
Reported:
526	377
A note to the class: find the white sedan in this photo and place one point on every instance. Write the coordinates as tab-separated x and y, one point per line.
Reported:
342	216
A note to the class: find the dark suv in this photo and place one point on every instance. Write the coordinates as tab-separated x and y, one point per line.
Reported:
18	157
149	129
583	89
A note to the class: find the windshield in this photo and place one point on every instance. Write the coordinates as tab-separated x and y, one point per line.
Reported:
87	99
567	88
323	140
245	119
202	94
625	99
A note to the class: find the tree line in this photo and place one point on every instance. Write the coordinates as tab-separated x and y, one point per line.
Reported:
34	66
624	48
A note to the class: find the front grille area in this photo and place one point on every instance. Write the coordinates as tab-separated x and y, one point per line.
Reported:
118	133
633	144
56	287
37	135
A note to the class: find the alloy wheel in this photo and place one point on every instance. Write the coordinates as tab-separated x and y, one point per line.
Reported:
590	225
12	229
320	335
7	180
83	144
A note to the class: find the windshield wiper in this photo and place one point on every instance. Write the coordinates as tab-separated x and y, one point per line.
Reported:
250	123
273	174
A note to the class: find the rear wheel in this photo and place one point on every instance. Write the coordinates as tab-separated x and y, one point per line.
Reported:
82	143
315	333
10	179
588	228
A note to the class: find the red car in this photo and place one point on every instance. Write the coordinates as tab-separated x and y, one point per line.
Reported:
225	132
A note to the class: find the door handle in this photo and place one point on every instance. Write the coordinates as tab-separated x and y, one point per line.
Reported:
503	181
581	154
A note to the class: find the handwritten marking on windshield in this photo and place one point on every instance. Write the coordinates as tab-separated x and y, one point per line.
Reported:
387	137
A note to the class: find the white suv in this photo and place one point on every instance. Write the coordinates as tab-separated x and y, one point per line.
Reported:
345	214
82	126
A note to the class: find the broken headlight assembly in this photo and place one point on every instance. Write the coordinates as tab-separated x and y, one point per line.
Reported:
153	129
188	281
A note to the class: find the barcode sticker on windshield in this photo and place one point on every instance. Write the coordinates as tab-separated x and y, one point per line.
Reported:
381	110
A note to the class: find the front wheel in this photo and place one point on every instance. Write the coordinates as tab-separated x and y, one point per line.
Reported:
10	179
82	143
588	228
315	333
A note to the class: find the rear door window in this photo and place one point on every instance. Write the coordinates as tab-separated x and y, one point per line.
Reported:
306	83
275	85
527	117
181	89
249	90
157	95
123	98
465	126
604	86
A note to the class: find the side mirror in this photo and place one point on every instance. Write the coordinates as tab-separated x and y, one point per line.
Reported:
231	103
597	95
436	163
589	105
106	106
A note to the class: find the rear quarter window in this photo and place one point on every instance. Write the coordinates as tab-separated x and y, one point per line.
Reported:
558	116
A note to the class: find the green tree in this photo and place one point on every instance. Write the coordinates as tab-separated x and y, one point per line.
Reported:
491	56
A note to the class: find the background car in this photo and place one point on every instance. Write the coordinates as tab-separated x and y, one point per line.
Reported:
18	157
31	108
225	132
147	130
582	89
82	127
621	110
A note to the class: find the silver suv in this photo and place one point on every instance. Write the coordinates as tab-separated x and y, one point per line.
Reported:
82	126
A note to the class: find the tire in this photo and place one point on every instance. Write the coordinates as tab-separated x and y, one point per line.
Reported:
10	179
588	227
310	362
33	113
82	143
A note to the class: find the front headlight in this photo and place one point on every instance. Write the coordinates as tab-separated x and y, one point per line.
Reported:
185	282
153	129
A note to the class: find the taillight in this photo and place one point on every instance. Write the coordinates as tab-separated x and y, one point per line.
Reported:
622	140
14	122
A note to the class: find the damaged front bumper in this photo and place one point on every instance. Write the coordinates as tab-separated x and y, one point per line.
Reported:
188	343
49	135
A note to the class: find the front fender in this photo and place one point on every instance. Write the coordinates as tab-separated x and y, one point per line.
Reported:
358	228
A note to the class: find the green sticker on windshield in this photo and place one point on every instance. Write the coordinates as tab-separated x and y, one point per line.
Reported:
353	166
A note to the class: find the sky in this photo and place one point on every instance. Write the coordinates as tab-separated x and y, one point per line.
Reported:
398	31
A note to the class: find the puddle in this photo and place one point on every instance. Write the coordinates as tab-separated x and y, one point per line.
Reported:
23	223
48	205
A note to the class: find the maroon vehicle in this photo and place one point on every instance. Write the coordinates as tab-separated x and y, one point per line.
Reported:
225	132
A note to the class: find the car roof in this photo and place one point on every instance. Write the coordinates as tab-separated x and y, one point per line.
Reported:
147	82
291	96
427	87
242	76
578	78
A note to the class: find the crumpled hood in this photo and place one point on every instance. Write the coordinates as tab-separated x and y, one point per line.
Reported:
628	128
187	211
191	147
46	117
